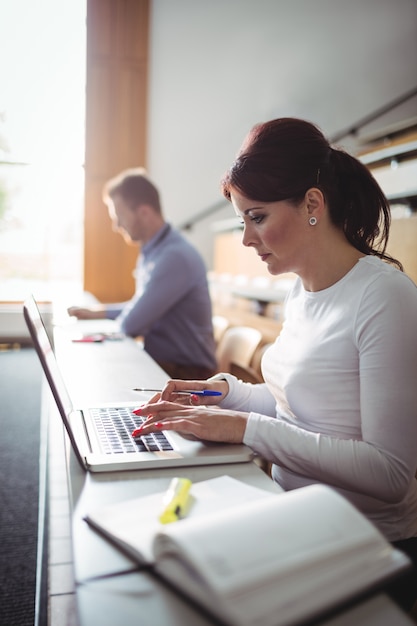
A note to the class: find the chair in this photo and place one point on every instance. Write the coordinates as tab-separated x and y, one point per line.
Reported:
237	347
257	359
220	325
246	373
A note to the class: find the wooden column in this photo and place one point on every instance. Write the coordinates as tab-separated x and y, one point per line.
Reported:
116	99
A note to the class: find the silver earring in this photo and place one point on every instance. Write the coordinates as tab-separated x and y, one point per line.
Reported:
312	221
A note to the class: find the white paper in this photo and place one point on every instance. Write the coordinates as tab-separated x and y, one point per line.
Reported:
135	522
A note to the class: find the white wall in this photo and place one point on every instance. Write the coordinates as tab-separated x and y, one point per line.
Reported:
218	67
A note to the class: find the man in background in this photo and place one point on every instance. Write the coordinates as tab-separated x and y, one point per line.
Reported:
171	308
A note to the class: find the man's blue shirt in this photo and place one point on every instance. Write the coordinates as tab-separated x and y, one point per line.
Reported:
171	308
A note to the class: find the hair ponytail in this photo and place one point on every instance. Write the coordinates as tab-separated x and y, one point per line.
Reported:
358	205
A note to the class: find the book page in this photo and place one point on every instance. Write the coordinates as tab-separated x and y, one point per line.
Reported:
134	523
282	533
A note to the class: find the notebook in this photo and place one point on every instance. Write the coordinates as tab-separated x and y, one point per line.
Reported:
101	435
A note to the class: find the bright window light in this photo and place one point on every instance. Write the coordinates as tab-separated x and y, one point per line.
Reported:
42	121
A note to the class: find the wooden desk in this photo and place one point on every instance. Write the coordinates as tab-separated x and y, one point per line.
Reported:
262	296
107	590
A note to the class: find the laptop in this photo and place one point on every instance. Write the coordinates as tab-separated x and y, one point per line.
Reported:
101	435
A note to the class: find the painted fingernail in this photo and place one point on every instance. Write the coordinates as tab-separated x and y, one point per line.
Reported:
137	411
137	432
194	398
158	424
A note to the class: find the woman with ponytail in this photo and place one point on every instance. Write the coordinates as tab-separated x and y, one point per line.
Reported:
339	402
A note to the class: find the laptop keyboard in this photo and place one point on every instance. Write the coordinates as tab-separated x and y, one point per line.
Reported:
114	427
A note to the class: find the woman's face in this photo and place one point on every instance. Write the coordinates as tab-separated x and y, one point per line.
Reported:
277	230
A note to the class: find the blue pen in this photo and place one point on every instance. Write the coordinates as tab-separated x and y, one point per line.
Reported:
204	392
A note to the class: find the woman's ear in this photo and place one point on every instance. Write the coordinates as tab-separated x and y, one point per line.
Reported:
314	201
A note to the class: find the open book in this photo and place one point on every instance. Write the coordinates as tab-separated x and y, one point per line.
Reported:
250	557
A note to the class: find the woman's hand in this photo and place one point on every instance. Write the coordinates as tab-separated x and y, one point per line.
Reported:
210	424
171	389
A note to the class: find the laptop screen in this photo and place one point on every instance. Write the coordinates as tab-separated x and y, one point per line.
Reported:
48	361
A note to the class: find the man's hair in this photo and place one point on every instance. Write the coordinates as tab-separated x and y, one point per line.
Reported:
134	186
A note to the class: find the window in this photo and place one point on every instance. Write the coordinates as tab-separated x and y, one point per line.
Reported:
42	135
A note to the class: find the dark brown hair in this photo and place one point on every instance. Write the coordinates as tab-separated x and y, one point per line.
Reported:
134	187
283	158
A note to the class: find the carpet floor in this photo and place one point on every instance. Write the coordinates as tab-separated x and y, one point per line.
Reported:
20	401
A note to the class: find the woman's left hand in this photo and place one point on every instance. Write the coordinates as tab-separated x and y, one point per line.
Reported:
202	422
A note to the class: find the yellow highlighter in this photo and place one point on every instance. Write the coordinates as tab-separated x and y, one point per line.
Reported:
176	500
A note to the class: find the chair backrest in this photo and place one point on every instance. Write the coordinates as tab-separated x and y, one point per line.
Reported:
220	325
238	345
257	359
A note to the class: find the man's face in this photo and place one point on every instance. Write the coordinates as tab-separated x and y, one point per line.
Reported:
125	219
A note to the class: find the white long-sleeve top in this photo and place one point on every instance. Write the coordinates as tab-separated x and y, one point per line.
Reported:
339	403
